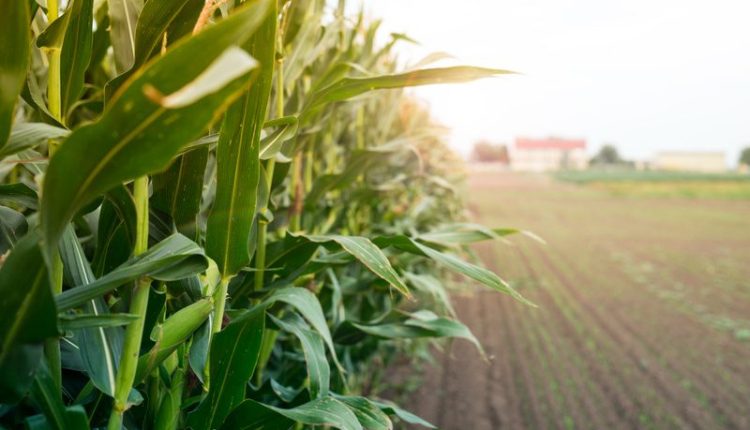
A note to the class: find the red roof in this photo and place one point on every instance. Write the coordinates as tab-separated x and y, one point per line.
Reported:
550	143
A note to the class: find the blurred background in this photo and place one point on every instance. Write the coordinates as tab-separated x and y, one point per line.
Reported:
622	142
649	76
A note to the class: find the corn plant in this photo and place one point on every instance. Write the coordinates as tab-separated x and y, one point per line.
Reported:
217	214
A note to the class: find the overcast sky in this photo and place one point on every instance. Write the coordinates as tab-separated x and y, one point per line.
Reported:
647	75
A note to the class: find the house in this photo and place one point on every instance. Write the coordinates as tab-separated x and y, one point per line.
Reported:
691	161
540	155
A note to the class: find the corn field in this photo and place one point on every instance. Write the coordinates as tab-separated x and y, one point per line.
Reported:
218	214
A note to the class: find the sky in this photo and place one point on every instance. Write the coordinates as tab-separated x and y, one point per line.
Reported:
645	75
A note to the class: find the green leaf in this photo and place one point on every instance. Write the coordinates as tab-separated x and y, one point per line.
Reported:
465	233
29	135
359	162
14	59
251	415
101	38
351	87
123	18
27	316
235	351
450	261
70	322
199	350
76	51
234	355
272	144
368	413
13	226
477	273
324	412
315	355
47	398
404	415
32	94
76	418
417	325
130	139
442	327
17	369
18	194
307	304
99	346
368	254
174	258
178	190
237	160
27	309
116	231
56	415
287	394
184	23
152	23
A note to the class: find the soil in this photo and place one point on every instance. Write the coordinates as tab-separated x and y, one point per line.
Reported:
644	307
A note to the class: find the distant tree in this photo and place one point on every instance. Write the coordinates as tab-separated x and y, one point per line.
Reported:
745	156
488	152
608	154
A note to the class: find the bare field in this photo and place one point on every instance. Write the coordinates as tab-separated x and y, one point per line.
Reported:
644	318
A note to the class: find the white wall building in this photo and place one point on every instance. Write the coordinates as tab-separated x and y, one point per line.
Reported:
541	155
691	161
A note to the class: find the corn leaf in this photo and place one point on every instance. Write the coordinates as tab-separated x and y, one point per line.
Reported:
450	261
123	19
318	369
130	139
251	415
94	320
235	351
18	194
27	309
27	316
368	254
99	346
325	412
351	87
238	163
272	144
153	21
306	304
359	162
14	59
367	412
234	355
115	232
178	190
13	226
29	135
17	369
465	233
47	398
421	324
404	415
199	350
76	51
173	258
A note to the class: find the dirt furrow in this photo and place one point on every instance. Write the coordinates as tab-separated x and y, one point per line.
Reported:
726	401
684	404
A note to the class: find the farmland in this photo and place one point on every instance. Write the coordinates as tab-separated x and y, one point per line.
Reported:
659	184
643	318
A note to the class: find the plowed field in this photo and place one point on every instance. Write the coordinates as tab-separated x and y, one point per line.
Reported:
643	319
